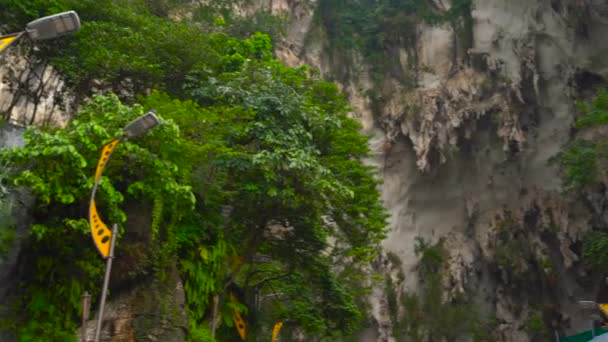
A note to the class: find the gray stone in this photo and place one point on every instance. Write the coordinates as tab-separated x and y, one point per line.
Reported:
152	311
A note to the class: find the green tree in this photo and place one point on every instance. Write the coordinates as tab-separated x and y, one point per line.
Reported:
255	181
56	166
298	180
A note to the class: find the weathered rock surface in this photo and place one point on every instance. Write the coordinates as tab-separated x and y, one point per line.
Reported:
464	154
31	92
152	311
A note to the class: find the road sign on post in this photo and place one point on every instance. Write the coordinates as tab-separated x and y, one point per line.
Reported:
102	236
239	322
8	40
275	331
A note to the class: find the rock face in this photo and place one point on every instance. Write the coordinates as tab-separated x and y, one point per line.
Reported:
464	152
152	311
31	92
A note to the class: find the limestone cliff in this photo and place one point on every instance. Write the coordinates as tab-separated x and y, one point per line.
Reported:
464	151
31	92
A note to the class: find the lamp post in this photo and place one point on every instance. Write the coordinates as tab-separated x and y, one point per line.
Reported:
49	27
102	237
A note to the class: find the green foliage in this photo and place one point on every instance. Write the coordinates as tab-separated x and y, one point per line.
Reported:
300	168
579	164
7	228
314	297
200	334
511	252
535	326
204	273
516	257
219	15
253	159
57	165
124	46
595	250
594	113
427	316
582	160
432	257
8	233
393	302
373	27
23	11
7	238
163	8
131	44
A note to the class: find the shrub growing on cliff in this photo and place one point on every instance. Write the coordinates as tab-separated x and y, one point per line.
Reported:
427	316
595	250
583	160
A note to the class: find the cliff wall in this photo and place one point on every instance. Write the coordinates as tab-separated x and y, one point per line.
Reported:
463	124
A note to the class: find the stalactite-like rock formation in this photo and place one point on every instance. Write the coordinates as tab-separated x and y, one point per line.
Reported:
464	149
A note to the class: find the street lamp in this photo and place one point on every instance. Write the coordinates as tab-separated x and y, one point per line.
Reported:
103	238
53	26
49	27
141	125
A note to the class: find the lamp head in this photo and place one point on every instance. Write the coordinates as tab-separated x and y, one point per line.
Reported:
53	26
141	125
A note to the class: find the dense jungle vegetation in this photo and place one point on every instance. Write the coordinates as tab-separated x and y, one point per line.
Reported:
254	181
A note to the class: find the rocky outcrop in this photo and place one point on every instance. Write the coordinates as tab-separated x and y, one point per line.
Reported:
464	151
31	92
152	311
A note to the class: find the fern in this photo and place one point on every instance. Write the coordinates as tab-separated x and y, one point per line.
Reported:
157	215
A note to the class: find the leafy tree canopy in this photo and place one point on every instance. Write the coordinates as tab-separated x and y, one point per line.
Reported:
254	182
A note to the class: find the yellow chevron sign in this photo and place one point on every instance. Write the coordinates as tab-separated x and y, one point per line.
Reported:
99	231
275	331
604	308
6	41
105	155
239	322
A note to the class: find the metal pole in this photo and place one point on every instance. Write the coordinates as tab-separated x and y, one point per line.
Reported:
106	281
556	336
86	305
216	303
